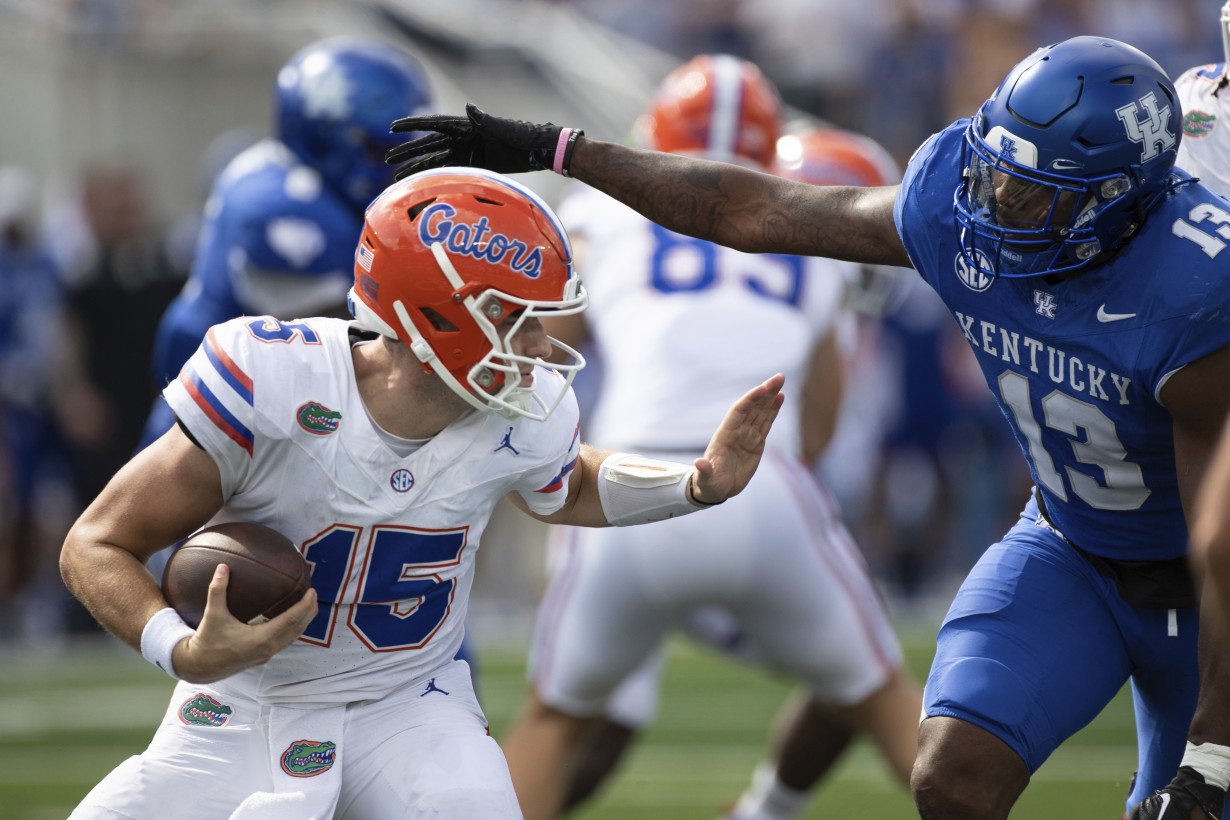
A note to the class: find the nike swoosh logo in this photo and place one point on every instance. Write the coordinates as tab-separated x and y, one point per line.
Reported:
1103	316
1165	802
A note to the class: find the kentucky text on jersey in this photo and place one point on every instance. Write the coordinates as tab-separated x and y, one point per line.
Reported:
1059	366
466	239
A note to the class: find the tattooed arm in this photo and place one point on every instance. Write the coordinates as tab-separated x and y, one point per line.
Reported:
719	202
743	209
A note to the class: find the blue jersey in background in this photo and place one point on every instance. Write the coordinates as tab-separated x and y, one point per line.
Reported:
276	240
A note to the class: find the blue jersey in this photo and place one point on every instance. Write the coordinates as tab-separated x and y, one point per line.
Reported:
1077	366
267	214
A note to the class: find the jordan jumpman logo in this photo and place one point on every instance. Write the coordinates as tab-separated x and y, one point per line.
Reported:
507	443
431	687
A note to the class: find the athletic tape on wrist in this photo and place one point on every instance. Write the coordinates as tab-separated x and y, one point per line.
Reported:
1211	760
638	490
564	147
162	633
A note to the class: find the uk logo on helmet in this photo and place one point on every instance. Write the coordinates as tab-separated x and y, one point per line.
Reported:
475	241
1150	133
1007	147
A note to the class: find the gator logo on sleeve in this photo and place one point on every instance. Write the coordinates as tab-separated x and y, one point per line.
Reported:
308	758
202	710
318	419
1198	124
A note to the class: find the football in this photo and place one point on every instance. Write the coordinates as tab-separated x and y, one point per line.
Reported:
268	574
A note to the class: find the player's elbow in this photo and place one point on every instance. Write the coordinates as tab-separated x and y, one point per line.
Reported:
78	555
72	559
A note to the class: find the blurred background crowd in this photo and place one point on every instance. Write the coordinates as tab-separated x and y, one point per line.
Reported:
118	114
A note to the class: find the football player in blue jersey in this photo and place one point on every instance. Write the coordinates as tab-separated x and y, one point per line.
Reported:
283	217
1089	277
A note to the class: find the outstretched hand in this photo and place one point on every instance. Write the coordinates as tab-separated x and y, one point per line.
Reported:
479	140
734	451
224	645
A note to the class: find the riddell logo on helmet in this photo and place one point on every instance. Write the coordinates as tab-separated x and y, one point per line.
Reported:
477	241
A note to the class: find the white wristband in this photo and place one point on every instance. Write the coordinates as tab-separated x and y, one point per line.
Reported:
1211	760
162	633
638	490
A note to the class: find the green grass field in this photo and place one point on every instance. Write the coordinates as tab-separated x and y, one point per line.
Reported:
67	719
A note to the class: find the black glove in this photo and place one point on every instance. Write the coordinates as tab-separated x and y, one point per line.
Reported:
1182	796
480	140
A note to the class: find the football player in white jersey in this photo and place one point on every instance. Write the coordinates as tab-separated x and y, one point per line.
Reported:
380	447
1204	151
779	562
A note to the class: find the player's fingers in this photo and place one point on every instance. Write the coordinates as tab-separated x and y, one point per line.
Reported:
774	383
704	467
761	396
769	413
476	115
435	160
764	402
765	394
705	471
419	145
430	122
215	598
290	624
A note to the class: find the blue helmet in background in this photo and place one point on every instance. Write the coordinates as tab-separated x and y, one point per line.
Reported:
334	101
1066	158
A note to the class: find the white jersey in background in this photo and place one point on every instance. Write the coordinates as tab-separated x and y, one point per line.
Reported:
1204	150
694	323
771	576
392	537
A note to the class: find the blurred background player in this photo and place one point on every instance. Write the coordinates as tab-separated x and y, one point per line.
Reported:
41	392
284	215
1204	150
810	735
775	578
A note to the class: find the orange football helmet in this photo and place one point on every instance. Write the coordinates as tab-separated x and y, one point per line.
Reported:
831	156
445	257
717	106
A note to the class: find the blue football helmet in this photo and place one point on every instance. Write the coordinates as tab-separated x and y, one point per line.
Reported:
1064	161
335	100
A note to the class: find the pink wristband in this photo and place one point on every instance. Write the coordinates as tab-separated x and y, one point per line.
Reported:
561	147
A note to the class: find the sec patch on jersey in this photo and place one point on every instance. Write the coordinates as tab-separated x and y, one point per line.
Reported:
268	574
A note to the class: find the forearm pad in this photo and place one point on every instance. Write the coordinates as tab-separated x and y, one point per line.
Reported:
638	490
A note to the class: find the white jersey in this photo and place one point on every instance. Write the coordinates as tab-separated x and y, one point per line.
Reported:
696	324
684	327
1204	150
391	540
